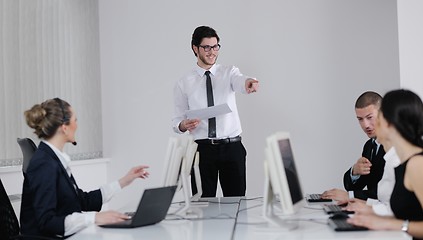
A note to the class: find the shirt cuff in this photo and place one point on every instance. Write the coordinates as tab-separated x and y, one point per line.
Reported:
371	201
351	194
77	221
90	217
354	178
176	128
108	191
382	209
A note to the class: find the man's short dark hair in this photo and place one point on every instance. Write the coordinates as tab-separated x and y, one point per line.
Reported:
368	98
200	33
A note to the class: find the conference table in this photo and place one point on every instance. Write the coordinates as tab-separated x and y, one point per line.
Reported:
234	218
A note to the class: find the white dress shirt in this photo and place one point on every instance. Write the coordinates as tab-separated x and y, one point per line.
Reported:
79	220
190	94
386	185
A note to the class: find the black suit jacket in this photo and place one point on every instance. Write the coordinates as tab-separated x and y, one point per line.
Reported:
371	180
49	195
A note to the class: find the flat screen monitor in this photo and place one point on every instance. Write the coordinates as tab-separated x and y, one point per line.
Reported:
173	162
181	157
282	182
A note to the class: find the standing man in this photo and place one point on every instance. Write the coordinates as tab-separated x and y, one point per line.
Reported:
222	153
362	178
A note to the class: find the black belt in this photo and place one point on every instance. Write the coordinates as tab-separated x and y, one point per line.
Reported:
219	141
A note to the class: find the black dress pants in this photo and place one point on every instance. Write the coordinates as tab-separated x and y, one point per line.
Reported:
226	162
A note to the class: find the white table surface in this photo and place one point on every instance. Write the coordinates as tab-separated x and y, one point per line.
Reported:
214	221
312	224
234	219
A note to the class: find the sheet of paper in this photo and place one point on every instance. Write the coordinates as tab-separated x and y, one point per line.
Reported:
209	112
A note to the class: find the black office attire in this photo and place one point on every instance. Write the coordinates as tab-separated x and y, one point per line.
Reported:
226	161
404	203
49	195
222	154
371	180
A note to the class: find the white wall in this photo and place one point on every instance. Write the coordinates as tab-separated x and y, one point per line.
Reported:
313	58
410	34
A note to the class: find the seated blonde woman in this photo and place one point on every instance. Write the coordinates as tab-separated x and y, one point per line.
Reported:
52	203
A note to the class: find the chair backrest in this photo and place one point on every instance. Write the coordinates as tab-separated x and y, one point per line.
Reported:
28	148
9	225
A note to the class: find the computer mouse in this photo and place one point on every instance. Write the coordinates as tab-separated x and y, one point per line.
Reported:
339	215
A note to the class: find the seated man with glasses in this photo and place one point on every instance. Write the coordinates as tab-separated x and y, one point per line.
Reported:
219	142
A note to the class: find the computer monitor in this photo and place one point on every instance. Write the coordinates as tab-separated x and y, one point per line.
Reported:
282	184
181	157
173	161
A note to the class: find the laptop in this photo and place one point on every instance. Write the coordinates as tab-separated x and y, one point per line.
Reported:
153	207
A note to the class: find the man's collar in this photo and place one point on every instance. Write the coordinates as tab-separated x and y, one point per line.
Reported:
375	140
201	70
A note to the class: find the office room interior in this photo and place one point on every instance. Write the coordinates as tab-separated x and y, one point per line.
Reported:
313	59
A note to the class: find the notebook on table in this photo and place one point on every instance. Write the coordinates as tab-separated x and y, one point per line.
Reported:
153	207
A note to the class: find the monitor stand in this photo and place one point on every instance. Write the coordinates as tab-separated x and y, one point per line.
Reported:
277	223
190	208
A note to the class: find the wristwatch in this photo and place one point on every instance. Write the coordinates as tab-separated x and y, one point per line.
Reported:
404	226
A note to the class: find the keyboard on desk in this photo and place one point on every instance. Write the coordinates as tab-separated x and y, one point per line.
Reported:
131	214
316	197
342	225
333	208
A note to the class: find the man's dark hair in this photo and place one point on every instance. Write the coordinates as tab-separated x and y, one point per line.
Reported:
200	33
368	98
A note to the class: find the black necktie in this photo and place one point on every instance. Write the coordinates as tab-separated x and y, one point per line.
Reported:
374	150
210	102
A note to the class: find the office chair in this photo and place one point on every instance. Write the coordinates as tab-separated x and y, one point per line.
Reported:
9	224
28	148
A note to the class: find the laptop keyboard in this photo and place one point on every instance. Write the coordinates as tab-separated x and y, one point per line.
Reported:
342	225
316	197
131	214
333	208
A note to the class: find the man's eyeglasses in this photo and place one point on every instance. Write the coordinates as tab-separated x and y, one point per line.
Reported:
207	48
